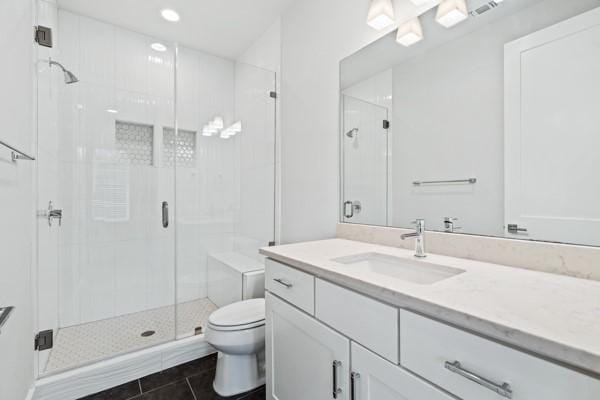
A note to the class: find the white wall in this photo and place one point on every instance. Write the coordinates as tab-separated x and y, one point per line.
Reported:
316	35
265	53
16	193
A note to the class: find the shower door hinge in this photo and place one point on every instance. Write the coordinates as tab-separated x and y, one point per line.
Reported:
386	124
43	36
43	340
273	95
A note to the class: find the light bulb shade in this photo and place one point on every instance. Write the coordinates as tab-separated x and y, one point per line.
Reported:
410	32
237	127
451	12
381	14
208	130
217	123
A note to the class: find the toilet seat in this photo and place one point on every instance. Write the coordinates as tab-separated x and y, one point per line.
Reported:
239	316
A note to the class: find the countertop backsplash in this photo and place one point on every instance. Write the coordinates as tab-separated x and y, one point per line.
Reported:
563	259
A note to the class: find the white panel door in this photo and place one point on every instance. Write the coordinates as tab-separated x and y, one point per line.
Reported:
365	149
377	379
552	103
300	356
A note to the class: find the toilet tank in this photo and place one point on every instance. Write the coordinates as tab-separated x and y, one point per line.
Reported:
234	277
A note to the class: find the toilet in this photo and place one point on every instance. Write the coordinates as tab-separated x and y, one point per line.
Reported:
237	331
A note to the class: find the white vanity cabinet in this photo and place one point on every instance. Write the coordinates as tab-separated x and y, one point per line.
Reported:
374	378
328	342
305	359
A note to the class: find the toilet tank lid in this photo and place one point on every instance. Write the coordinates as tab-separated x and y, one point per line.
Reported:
241	313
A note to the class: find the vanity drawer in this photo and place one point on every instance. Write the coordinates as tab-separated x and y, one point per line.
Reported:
366	321
474	368
291	285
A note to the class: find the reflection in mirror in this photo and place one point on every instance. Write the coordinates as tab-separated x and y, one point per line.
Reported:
490	127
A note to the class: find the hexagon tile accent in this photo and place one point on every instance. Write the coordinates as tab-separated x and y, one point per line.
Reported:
134	143
186	148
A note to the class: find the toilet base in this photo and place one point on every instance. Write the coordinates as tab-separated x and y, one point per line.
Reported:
238	374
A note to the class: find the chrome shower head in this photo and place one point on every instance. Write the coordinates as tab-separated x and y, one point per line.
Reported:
352	133
69	76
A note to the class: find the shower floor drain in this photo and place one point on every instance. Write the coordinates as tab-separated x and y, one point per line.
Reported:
148	333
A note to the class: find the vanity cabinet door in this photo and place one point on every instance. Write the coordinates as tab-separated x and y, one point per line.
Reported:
374	378
305	359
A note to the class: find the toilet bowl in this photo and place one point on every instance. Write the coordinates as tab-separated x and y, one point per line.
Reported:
237	331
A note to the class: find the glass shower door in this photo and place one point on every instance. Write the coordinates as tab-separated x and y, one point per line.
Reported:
225	181
106	233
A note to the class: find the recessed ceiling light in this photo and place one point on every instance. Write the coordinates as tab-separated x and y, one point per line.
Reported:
410	32
170	15
451	12
158	47
381	14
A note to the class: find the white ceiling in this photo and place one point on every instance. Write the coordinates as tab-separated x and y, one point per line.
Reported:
221	27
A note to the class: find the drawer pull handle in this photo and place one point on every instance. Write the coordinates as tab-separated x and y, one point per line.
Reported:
284	283
503	390
354	376
336	390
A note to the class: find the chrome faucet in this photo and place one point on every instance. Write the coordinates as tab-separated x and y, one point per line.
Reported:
419	235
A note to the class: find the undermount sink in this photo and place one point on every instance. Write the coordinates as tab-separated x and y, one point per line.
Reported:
414	271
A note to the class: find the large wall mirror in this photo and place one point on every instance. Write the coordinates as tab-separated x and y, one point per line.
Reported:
491	127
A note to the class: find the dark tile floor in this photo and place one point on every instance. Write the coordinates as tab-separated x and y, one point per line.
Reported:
191	381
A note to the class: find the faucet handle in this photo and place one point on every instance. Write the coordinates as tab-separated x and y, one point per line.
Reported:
420	224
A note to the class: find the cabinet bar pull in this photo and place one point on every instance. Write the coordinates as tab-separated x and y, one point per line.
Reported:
284	283
354	376
503	390
336	389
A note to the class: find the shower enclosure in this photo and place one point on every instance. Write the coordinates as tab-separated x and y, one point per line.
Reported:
152	158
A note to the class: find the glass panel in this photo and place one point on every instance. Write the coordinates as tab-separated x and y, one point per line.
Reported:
226	187
365	143
106	273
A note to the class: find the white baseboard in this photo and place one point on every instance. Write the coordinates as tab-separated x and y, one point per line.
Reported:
30	394
80	382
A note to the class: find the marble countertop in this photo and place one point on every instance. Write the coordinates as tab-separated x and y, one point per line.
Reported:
551	315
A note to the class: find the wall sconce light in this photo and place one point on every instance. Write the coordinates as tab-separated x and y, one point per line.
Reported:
381	14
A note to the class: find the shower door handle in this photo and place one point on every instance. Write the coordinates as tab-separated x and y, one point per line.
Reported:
165	214
354	206
348	209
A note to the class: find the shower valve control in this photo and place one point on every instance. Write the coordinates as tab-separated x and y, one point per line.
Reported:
51	213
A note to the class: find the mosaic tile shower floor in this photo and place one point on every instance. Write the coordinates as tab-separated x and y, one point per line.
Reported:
87	343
